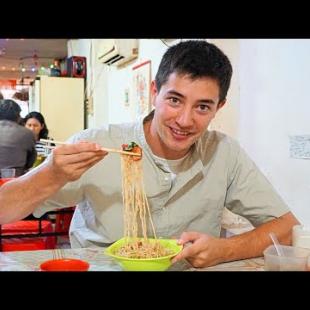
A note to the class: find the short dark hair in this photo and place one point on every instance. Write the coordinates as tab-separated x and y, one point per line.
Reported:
39	117
9	110
198	59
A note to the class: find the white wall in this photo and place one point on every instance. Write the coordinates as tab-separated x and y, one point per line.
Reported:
96	82
227	118
274	94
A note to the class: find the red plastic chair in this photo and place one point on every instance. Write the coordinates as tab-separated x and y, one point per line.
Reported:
27	243
26	227
63	220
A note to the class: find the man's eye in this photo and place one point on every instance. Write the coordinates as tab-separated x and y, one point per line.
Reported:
173	100
203	107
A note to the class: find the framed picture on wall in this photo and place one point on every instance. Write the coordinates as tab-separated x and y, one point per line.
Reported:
141	85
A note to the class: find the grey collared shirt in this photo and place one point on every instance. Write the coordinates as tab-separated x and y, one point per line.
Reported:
17	147
217	174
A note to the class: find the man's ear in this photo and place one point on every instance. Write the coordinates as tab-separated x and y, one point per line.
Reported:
220	104
153	92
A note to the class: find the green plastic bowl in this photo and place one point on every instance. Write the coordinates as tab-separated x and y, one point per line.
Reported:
145	264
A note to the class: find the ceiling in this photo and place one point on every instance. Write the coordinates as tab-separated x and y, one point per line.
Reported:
29	54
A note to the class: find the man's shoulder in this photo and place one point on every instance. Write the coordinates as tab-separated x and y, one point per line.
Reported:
220	139
217	146
89	134
103	133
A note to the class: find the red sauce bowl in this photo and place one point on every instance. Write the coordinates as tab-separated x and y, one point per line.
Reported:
66	264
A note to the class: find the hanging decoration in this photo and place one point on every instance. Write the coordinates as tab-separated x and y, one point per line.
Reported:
22	95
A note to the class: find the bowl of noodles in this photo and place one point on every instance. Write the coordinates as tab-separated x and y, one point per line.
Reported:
140	254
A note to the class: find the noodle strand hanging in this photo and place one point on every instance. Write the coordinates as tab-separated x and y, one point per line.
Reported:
136	210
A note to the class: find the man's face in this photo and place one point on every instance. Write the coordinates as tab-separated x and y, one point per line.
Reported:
183	110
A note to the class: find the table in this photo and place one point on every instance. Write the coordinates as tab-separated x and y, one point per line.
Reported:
31	260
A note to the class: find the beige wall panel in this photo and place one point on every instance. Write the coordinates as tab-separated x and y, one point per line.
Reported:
62	104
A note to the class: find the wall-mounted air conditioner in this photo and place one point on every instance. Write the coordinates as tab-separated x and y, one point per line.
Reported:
117	51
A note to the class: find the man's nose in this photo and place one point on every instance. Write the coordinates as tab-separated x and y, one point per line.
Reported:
185	118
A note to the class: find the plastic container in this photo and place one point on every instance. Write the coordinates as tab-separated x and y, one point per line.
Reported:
301	236
294	259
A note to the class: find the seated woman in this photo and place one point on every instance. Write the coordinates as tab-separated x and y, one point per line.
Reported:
36	123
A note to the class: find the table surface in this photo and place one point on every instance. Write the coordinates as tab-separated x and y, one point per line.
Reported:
31	260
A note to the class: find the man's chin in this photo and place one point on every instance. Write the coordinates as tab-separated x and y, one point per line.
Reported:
179	150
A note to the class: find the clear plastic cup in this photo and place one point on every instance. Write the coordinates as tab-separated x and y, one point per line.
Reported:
301	236
294	258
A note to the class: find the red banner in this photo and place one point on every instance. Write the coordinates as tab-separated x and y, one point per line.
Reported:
8	84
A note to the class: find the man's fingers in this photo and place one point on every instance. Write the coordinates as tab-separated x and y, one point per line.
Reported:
189	236
88	162
83	165
76	148
190	248
74	171
188	251
78	157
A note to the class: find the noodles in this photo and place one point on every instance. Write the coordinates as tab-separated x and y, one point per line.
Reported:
137	211
143	249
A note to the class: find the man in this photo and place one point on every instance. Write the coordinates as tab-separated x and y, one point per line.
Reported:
190	173
17	144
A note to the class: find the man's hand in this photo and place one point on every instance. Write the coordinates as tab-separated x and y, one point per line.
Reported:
70	161
200	250
203	250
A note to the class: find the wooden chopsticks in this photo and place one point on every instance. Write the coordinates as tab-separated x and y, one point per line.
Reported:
103	148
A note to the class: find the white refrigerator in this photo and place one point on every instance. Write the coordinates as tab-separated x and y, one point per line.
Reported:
61	101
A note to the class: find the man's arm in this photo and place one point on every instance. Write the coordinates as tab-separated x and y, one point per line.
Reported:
204	250
20	197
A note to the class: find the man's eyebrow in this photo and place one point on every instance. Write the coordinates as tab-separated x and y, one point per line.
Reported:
210	101
175	93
